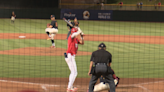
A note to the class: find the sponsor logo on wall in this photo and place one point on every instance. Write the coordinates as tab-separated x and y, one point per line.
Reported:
69	14
86	14
104	15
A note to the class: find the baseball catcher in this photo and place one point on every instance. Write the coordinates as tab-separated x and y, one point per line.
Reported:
103	85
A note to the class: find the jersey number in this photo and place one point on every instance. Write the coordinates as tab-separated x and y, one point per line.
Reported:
76	45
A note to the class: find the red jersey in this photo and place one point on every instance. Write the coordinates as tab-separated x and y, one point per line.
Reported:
72	45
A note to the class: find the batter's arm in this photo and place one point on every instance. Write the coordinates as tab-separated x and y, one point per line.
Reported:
82	40
75	34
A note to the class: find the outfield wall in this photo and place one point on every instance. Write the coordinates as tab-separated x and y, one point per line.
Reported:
115	15
31	13
152	16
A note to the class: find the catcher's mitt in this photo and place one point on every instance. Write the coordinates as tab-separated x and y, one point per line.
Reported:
48	24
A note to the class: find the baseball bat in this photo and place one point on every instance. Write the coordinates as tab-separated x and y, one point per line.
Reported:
68	22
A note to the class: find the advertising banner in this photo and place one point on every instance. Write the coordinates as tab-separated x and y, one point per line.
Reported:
86	14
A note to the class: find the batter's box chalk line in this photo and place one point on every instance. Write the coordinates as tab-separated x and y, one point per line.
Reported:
139	85
43	86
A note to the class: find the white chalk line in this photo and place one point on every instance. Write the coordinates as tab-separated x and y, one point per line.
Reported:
44	85
40	84
139	85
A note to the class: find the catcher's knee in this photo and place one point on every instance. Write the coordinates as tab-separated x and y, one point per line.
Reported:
101	86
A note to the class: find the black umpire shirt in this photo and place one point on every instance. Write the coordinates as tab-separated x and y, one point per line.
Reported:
73	23
69	25
53	23
101	56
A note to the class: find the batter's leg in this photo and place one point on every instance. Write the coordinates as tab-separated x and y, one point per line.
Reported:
73	68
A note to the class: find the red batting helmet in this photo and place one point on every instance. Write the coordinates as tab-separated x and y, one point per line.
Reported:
73	30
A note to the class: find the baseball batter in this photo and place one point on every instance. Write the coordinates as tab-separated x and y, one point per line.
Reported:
52	30
73	42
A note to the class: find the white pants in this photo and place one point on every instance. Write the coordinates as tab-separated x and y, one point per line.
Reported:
12	18
52	31
73	68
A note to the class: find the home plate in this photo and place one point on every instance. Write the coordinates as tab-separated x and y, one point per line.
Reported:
22	36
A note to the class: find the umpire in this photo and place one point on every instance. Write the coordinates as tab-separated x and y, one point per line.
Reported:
100	66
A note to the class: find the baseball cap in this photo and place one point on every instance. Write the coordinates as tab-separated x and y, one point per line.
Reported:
68	19
102	45
52	16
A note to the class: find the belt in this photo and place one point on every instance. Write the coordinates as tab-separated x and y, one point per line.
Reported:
101	64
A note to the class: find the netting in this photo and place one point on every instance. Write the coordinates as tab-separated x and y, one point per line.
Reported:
32	52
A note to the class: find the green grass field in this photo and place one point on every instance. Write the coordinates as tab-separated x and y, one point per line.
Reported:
88	27
130	60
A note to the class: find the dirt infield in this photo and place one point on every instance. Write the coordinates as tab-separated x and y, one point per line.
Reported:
110	38
60	84
40	51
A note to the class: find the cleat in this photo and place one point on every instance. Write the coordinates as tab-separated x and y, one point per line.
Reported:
48	38
74	89
68	90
